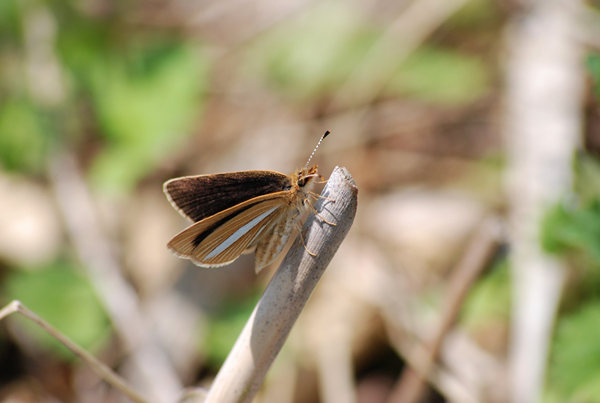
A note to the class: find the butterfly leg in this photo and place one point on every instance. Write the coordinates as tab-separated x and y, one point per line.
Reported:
318	196
303	242
319	215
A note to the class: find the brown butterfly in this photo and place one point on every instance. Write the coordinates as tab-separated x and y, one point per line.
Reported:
238	212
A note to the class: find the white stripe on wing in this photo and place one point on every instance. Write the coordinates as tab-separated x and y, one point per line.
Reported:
238	234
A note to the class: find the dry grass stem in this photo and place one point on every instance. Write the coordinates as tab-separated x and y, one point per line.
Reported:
482	248
151	365
98	367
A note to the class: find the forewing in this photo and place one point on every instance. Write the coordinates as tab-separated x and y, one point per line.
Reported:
220	239
199	197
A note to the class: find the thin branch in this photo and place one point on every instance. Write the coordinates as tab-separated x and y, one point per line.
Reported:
463	370
542	123
97	366
409	30
482	248
269	325
152	366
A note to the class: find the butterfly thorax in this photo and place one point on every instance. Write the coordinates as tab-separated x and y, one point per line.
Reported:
301	183
281	229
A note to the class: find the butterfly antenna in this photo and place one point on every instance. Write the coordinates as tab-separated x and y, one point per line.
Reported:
317	146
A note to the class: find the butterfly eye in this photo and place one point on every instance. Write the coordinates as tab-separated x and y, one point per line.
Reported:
301	182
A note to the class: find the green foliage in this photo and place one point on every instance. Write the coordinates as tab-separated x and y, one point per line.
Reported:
315	54
489	299
224	329
574	367
137	91
24	137
593	64
144	113
62	297
10	22
587	178
312	55
144	94
474	14
441	76
573	230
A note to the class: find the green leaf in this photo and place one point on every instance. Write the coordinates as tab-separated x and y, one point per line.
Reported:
145	91
62	297
474	14
489	299
576	229
575	355
11	19
224	329
23	138
145	106
593	65
587	178
313	54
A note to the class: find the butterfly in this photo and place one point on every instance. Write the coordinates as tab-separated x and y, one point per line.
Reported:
238	212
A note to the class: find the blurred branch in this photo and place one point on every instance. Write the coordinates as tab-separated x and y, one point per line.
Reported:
543	101
45	79
98	367
464	367
444	376
282	302
278	13
403	36
119	298
334	364
589	32
478	254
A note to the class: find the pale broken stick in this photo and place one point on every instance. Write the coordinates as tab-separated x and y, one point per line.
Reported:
480	251
98	367
146	357
265	332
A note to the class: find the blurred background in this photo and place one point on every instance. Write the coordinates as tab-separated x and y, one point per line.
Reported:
471	127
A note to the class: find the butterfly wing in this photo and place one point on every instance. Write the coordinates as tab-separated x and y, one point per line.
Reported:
199	197
223	237
276	237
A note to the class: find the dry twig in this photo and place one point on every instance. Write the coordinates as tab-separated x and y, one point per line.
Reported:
544	100
152	367
289	290
97	366
483	245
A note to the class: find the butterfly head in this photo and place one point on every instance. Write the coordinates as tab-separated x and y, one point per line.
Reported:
305	175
